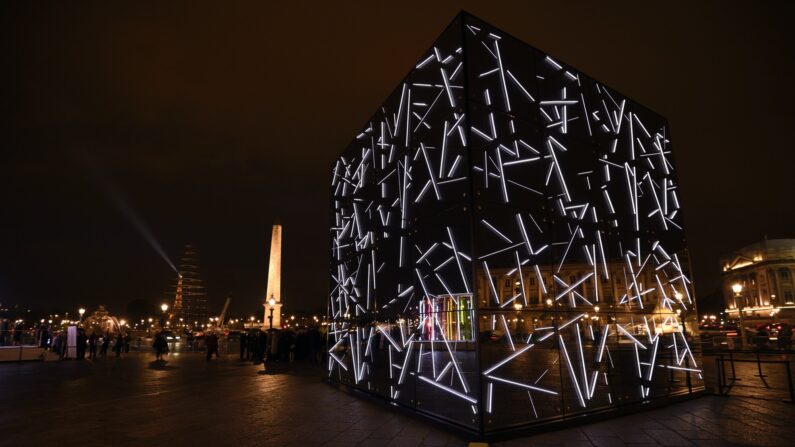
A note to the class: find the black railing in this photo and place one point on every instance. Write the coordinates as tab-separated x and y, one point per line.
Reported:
750	356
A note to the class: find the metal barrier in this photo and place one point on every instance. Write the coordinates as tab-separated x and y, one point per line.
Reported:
725	384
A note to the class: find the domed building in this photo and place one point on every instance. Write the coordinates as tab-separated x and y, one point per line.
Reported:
101	322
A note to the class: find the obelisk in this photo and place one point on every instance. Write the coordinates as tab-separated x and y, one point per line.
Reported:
274	279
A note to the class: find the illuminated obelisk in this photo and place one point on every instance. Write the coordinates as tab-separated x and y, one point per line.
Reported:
274	279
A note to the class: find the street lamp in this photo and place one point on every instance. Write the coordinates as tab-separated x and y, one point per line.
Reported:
272	302
737	288
518	308
81	311
164	308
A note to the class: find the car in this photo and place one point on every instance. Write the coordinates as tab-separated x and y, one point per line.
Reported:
170	336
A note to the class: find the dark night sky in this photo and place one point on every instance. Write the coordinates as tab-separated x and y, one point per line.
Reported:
214	119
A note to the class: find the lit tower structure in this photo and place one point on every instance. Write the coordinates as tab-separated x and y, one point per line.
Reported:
176	309
274	277
190	300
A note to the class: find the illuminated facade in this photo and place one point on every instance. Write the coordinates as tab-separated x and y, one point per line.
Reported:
507	245
766	270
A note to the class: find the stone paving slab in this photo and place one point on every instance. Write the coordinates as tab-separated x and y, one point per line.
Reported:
133	401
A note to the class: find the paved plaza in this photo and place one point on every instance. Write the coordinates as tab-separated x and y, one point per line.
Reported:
188	401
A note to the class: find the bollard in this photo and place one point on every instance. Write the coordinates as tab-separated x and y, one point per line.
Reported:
719	369
789	382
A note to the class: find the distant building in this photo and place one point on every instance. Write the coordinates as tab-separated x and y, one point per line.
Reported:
766	270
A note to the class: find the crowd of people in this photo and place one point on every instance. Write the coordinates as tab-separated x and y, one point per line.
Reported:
258	346
282	346
95	345
11	333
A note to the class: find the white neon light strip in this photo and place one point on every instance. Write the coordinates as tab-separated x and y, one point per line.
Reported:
627	334
496	231
572	374
389	338
507	359
522	385
406	360
452	391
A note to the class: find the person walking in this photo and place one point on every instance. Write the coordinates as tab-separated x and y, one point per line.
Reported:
243	341
160	346
81	344
251	348
785	337
316	346
5	327
260	348
119	346
57	345
92	346
212	345
103	350
17	337
762	338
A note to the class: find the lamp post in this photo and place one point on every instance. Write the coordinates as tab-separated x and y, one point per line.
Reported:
164	308
737	288
81	311
518	308
272	303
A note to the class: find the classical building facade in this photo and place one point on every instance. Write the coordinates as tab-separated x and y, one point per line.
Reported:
766	272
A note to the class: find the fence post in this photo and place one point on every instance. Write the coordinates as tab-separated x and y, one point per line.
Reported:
722	369
731	359
689	383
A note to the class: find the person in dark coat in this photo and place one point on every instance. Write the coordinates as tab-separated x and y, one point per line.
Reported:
264	352
762	338
785	337
251	349
212	345
58	345
92	346
81	344
243	342
44	336
103	350
160	345
119	346
316	346
18	334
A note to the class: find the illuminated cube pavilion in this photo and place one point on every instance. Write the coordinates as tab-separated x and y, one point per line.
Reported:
507	245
